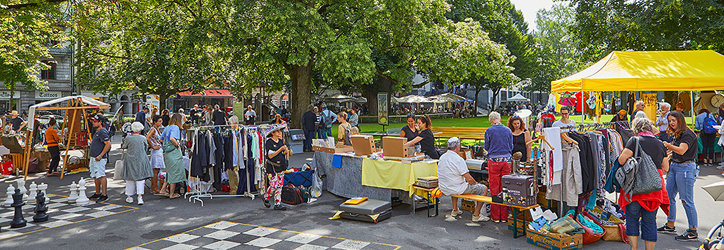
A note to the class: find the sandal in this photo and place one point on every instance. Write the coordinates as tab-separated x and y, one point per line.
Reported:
174	196
161	194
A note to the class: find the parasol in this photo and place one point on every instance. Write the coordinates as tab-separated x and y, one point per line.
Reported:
716	190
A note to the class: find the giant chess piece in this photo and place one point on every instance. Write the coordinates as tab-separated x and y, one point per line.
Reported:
82	198
9	200
18	220
23	190
41	188
40	208
73	192
33	193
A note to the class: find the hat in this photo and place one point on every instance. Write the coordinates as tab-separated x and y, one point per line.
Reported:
622	112
273	128
97	117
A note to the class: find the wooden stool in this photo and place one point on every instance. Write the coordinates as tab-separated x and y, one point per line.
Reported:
429	199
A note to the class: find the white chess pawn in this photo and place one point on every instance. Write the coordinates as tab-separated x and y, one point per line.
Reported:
42	187
33	192
82	198
73	192
9	200
23	190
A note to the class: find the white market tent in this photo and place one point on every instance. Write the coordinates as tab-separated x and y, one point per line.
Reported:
518	98
449	97
414	99
76	103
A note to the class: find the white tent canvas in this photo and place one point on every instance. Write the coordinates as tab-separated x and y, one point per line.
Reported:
518	98
86	100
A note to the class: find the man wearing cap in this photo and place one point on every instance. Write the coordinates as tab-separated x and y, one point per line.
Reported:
308	124
454	178
17	122
99	148
329	118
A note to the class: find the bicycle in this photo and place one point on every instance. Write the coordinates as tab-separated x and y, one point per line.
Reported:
710	241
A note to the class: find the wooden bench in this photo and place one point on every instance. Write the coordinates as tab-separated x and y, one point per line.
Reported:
474	133
488	199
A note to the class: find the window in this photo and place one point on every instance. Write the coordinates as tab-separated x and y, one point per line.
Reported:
48	74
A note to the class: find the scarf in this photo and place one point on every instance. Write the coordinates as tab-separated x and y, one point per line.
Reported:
647	133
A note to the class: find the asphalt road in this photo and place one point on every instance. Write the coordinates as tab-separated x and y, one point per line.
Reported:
161	217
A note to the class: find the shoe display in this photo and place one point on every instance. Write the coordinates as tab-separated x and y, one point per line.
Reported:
129	199
688	235
666	228
140	200
102	198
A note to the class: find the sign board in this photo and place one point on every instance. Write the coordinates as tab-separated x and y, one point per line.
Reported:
5	95
650	101
382	112
48	95
152	102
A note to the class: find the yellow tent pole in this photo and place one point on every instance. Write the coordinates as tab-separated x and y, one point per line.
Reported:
27	150
67	147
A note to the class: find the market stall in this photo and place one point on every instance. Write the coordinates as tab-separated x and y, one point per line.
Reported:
74	121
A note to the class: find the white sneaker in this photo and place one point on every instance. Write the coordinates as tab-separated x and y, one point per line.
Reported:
140	200
480	218
456	213
129	199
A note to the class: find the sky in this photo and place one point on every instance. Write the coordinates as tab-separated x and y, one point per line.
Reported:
530	8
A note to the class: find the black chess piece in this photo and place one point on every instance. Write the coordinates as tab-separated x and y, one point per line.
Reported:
40	208
18	220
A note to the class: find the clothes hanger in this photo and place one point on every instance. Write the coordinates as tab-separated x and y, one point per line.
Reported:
565	137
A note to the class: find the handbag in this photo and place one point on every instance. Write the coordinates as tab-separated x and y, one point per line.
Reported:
118	169
292	195
168	146
641	176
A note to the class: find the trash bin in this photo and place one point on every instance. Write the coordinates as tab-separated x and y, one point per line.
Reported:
296	140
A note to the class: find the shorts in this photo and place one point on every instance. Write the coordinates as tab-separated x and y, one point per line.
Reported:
97	168
478	189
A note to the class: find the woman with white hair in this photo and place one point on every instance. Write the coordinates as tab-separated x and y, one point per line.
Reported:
136	167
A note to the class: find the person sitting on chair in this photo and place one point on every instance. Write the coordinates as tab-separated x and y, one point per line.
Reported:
454	178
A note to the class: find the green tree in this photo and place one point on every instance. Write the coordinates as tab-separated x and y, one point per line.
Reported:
27	30
648	25
154	47
557	45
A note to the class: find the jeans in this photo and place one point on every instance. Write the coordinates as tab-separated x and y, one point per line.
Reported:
54	158
321	133
308	136
634	212
708	142
680	180
496	170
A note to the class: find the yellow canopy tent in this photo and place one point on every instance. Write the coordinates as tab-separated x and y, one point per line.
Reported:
649	71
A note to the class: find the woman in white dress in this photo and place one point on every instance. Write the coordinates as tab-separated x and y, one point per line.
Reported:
154	141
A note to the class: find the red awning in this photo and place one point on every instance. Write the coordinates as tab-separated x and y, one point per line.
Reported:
209	93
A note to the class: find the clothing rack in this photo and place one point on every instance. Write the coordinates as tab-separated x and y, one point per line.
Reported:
198	192
596	125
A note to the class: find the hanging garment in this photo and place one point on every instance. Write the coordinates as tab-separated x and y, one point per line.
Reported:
572	181
588	170
553	136
219	156
212	155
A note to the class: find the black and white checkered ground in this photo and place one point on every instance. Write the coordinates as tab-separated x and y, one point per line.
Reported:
60	212
232	235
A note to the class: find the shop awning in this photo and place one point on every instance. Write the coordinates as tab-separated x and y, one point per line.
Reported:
208	93
649	71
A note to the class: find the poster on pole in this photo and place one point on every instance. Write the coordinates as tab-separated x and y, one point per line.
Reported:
382	112
650	101
153	102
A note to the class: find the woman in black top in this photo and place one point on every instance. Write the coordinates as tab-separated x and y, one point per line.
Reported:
276	164
410	131
520	138
425	138
165	117
682	174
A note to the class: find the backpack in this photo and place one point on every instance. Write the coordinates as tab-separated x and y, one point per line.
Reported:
294	195
709	124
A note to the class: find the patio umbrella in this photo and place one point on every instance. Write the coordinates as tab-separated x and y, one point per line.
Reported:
716	190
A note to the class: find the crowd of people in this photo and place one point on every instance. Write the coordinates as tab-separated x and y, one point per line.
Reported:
317	124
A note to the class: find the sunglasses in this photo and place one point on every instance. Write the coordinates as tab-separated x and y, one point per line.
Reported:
564	114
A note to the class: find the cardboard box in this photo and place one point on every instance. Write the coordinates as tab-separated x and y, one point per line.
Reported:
519	190
336	150
554	241
395	147
363	144
522	224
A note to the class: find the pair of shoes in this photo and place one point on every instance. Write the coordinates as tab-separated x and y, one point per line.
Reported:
456	213
666	228
280	207
266	202
94	196
688	235
102	198
140	200
496	221
129	199
721	166
480	218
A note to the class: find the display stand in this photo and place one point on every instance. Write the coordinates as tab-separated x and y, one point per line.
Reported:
74	104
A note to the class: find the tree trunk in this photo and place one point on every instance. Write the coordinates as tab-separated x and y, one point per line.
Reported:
12	93
379	84
162	97
495	95
475	100
301	92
